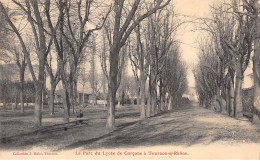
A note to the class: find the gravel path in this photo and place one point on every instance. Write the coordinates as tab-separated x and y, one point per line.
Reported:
189	126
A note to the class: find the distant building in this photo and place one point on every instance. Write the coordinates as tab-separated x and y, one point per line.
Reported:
59	93
11	72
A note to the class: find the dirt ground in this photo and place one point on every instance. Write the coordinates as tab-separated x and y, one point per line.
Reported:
187	126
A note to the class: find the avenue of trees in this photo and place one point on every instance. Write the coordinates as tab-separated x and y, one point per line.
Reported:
55	39
225	53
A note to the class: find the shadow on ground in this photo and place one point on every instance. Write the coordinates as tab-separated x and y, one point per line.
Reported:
186	126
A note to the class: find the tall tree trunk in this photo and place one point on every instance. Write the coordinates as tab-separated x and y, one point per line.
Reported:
231	99
119	103
153	104
138	101
170	103
123	98
111	109
93	98
148	110
75	92
178	101
38	103
22	99
165	104
93	73
66	105
51	99
27	104
83	96
71	95
12	103
16	103
173	101
104	92
66	102
4	104
39	85
256	70
22	89
142	94
160	93
227	101
112	87
238	92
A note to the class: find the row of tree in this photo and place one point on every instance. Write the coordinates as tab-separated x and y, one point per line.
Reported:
225	54
61	33
160	75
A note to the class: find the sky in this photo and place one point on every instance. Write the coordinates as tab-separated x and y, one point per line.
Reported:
187	36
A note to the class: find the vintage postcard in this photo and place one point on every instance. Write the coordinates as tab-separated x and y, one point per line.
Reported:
129	79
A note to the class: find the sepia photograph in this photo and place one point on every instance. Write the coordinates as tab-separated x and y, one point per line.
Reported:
130	79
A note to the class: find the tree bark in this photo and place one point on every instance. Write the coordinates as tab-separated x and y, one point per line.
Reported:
238	92
22	100
256	72
83	96
170	103
27	104
142	94
112	87
4	104
66	101
123	98
173	101
111	109
231	99
138	101
51	100
74	104
12	103
148	110
166	103
153	104
118	103
22	87
16	103
39	85
38	103
66	105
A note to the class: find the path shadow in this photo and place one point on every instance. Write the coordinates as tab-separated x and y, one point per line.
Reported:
90	141
187	126
141	133
39	135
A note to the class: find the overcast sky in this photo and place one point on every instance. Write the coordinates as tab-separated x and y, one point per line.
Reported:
187	37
